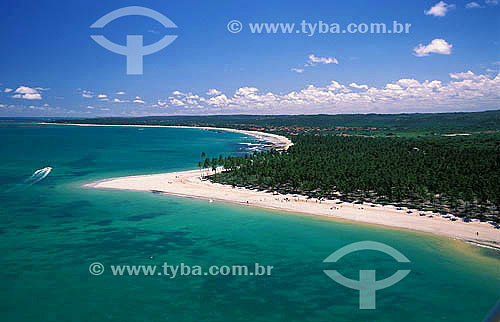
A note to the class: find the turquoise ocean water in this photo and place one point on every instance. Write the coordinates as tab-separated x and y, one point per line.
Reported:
52	230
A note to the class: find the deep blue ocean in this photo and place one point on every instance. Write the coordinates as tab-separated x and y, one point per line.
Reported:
52	229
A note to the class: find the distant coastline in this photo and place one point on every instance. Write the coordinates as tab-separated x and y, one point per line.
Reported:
279	142
189	184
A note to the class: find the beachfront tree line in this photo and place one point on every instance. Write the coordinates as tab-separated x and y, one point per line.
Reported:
459	175
211	164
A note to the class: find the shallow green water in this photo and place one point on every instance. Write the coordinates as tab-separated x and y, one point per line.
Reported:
52	230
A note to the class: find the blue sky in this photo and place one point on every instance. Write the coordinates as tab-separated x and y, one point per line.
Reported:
51	66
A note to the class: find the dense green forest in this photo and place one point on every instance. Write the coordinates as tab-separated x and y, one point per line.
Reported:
413	160
365	124
458	175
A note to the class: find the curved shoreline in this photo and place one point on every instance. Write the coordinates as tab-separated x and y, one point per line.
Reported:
279	142
189	184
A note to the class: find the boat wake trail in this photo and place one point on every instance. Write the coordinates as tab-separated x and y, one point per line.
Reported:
38	176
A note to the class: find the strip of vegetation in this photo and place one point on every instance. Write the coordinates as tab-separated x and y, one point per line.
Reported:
409	125
458	175
444	162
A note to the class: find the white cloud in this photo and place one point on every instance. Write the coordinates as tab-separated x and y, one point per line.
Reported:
469	75
492	2
464	75
313	60
87	94
393	87
336	87
103	97
184	99
7	90
220	100
120	93
90	107
439	9
406	82
26	90
358	86
176	102
472	5
213	92
27	93
139	100
28	96
117	100
160	103
437	46
465	90
321	60
246	91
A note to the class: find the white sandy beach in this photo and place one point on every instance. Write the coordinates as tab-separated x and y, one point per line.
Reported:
190	184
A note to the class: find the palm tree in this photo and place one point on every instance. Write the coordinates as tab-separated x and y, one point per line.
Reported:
203	156
214	165
206	163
